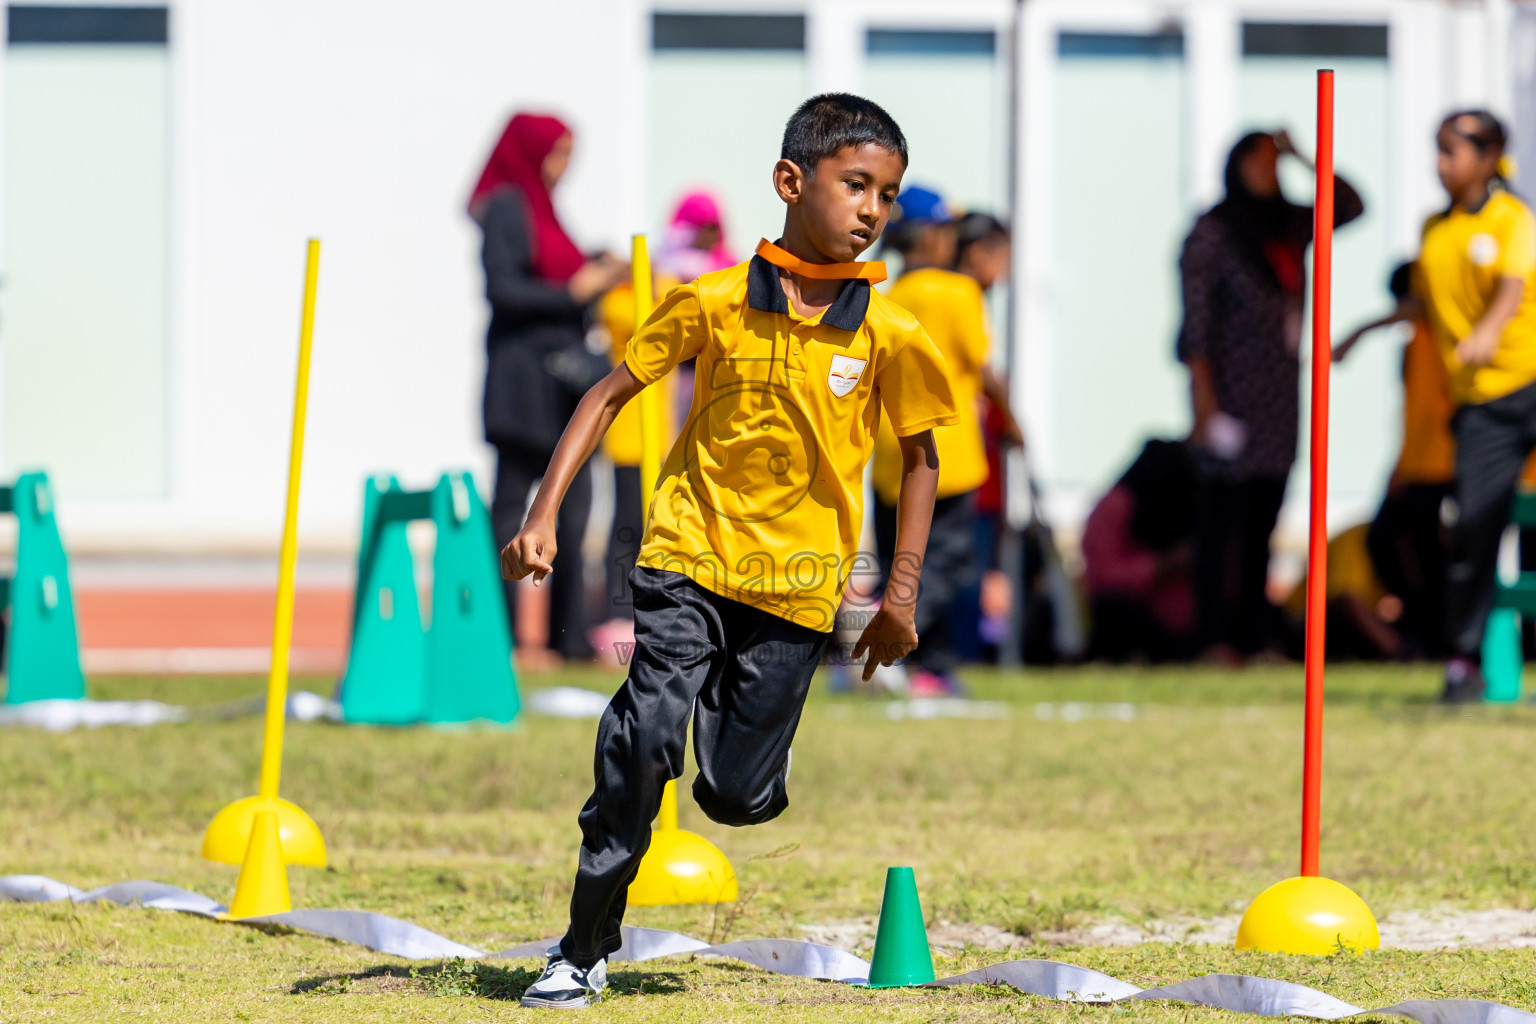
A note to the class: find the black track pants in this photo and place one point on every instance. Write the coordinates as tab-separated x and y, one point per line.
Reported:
1493	440
741	675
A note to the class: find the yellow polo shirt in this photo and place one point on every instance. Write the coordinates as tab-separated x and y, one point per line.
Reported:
1462	259
761	499
952	310
616	312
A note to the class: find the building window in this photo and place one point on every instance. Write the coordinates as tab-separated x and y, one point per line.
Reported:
913	43
28	25
728	31
1120	44
1293	39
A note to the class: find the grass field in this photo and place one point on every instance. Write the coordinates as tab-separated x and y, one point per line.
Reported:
1185	805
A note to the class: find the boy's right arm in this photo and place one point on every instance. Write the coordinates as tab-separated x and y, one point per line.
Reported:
533	549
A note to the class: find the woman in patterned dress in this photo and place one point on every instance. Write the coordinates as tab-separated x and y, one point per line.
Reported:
1244	283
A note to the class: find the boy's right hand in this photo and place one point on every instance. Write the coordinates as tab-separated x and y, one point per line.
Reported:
531	551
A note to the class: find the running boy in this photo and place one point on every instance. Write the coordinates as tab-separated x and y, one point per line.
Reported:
754	525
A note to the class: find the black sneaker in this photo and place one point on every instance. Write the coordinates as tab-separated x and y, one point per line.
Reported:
1463	683
564	986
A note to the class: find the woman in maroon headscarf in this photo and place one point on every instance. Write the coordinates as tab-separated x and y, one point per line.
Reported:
540	287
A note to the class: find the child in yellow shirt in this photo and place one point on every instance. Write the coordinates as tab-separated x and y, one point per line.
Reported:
952	308
754	526
1476	279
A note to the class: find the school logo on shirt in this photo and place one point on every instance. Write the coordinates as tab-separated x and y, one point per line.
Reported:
1483	249
844	375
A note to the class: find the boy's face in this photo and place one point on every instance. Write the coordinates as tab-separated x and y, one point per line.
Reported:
843	208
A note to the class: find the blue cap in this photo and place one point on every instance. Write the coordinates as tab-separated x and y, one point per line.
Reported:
918	203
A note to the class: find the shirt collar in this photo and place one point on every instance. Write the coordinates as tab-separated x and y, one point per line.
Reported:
765	293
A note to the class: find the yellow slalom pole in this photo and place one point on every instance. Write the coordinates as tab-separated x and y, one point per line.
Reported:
229	833
650	398
680	866
650	443
282	625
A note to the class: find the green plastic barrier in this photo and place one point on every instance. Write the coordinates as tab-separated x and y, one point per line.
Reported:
43	649
460	668
1503	660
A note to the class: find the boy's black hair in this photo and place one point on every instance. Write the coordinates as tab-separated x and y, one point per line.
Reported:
1400	284
825	124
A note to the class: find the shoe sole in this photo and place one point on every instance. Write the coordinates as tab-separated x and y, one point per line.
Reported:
579	1003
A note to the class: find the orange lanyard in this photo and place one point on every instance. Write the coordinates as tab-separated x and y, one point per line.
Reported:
872	271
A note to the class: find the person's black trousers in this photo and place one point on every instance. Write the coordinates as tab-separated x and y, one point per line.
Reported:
742	676
516	471
1125	629
1233	523
949	566
623	542
1407	546
1493	440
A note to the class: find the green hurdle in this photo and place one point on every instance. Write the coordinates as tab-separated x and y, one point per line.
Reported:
43	651
457	669
1503	663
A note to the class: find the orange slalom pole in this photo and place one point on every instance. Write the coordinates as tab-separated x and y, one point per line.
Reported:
1317	539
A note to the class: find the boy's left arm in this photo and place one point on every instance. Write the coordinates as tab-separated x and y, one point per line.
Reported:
892	634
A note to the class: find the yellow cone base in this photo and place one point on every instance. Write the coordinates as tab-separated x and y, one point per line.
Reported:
1308	916
682	867
263	885
229	834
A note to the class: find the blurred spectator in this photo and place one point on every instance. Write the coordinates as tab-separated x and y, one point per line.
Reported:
951	306
695	240
921	230
616	313
952	310
983	252
1244	283
1363	616
1406	541
694	244
539	286
1138	557
1476	277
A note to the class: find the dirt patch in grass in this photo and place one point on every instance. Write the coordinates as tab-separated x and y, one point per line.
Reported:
1418	930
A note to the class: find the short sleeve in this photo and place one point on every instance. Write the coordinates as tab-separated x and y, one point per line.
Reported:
1517	249
674	332
914	387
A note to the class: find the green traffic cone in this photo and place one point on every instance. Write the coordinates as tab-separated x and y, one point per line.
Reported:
901	942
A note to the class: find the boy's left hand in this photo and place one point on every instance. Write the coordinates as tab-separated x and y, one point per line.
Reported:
889	637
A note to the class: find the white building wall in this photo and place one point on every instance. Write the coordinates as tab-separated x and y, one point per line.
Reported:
366	125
